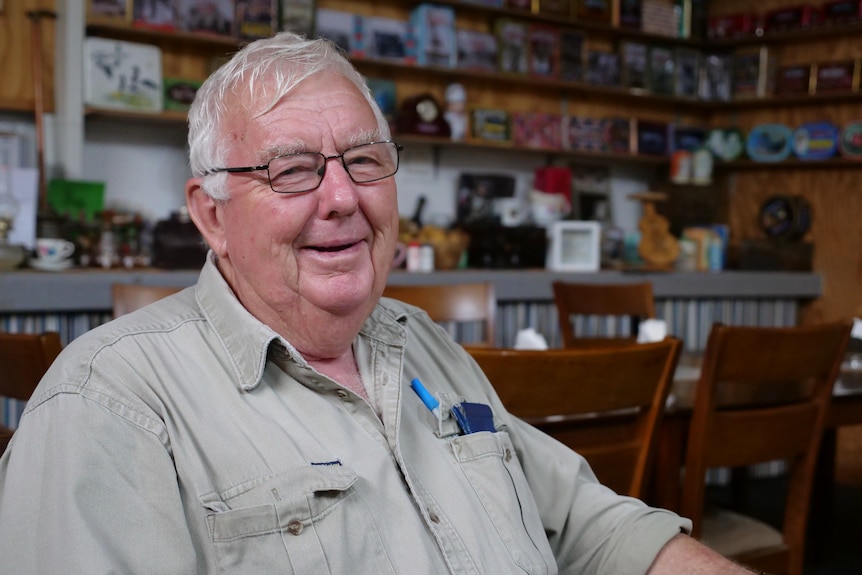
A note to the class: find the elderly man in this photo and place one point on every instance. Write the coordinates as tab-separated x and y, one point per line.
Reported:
262	421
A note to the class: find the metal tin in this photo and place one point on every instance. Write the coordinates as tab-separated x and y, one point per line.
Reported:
769	143
815	141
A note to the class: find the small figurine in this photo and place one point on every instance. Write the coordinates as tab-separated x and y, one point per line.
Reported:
456	111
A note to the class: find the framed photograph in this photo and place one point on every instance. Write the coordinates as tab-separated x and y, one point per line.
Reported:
109	11
753	73
575	246
217	17
794	79
122	75
661	73
716	79
490	124
544	50
477	50
633	64
572	55
298	16
345	29
154	14
687	73
835	77
256	19
512	45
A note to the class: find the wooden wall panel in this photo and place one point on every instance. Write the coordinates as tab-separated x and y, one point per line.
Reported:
833	193
836	229
16	89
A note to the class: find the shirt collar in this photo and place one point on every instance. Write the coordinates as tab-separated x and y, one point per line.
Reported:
247	340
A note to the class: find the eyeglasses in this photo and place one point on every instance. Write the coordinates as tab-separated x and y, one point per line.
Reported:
303	172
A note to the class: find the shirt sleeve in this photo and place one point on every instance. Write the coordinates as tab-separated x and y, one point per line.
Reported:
90	487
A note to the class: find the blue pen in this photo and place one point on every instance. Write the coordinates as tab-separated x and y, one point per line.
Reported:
429	400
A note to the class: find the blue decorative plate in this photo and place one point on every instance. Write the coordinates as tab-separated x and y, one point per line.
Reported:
769	143
815	141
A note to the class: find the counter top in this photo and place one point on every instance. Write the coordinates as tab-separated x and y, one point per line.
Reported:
90	289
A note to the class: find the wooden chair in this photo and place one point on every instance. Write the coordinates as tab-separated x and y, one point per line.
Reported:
604	403
762	396
634	300
454	303
24	359
127	298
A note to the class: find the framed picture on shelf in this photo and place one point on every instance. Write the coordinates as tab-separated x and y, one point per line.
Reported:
574	246
154	14
603	68
123	75
837	77
256	18
385	38
477	50
753	73
298	16
661	70
794	79
716	78
544	50
216	17
490	125
687	72
512	47
633	65
109	11
572	55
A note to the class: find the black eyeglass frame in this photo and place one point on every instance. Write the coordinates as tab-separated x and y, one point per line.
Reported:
322	169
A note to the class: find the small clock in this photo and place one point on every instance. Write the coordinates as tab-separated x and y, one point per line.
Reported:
422	114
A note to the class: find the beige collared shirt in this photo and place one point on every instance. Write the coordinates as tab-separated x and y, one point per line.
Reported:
190	438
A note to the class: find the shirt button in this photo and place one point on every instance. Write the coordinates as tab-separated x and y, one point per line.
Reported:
385	379
508	454
294	527
433	517
342	394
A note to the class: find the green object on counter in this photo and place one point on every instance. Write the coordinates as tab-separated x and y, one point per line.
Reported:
75	197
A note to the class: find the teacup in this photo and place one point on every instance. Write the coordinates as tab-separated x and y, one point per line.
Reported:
53	250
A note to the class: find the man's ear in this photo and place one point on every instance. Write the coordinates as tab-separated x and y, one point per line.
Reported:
206	213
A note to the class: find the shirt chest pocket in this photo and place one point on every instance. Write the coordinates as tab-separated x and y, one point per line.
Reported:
313	522
490	464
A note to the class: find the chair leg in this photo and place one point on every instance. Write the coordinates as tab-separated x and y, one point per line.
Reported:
738	486
822	494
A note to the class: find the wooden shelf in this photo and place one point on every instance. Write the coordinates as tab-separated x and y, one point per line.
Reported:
787	100
138	34
814	34
164	117
556	152
616	92
791	163
568	22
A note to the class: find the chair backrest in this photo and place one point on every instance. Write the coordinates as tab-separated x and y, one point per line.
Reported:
762	395
455	303
634	300
126	298
24	359
604	403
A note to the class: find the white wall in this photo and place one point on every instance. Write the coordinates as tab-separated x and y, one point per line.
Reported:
145	165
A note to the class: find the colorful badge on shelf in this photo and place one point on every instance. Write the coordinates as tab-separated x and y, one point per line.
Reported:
815	141
769	143
850	142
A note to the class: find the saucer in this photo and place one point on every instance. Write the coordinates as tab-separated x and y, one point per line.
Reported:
51	266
